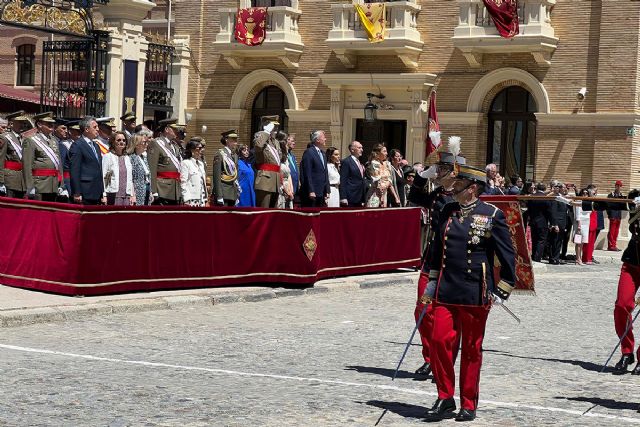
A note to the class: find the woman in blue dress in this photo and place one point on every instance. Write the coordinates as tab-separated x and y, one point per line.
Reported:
245	178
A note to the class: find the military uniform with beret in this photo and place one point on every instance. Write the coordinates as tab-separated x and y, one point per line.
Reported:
11	153
42	164
225	173
468	240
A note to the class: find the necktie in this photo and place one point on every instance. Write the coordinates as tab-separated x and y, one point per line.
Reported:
93	149
321	156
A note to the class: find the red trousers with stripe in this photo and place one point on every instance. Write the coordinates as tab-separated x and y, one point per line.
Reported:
425	327
612	237
450	323
627	287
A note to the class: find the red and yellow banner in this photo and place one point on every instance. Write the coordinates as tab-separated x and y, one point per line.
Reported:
251	26
372	16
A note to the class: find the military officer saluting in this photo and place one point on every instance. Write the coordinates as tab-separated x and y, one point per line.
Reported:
128	124
11	177
225	171
164	165
444	176
42	165
461	284
267	163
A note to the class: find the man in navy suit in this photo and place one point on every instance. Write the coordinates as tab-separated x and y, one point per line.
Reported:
314	178
87	182
352	177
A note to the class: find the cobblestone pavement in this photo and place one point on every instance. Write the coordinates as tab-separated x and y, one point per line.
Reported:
316	360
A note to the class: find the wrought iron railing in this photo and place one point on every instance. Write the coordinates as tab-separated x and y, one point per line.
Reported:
74	76
157	77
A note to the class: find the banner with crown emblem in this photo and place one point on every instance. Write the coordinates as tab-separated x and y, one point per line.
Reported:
504	14
251	26
372	17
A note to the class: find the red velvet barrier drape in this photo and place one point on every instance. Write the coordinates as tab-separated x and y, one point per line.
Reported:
505	16
97	250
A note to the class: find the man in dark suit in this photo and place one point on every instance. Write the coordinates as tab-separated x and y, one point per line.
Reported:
558	225
314	179
538	211
352	177
87	183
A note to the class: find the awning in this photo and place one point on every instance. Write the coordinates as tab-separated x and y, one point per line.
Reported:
19	94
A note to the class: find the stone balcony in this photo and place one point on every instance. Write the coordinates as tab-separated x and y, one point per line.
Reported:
348	39
476	34
282	39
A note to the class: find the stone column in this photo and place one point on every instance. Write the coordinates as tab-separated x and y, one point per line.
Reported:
180	77
123	19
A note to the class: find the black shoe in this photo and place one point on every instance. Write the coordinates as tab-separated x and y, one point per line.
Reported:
623	364
598	262
562	262
443	409
424	369
466	415
636	370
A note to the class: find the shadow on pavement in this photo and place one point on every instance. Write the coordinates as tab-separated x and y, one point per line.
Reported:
589	366
404	343
385	372
403	409
605	403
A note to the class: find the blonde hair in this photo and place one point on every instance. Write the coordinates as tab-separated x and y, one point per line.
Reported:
134	141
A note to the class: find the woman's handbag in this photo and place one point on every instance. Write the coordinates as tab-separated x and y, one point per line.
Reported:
577	238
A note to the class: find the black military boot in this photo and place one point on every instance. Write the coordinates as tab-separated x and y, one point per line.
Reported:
442	409
424	369
466	415
623	364
636	370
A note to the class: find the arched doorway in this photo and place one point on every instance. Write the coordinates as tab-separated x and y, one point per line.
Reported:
270	101
511	141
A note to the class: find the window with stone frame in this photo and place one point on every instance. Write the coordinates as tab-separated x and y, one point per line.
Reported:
26	65
270	3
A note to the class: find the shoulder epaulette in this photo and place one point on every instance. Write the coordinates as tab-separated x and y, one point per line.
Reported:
495	209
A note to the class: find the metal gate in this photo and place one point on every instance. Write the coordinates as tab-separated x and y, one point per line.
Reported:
74	76
157	81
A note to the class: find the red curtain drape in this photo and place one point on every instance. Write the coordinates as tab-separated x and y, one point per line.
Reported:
505	16
432	125
105	249
251	25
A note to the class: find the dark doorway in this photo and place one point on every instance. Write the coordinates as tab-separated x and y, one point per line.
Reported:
511	141
392	132
269	102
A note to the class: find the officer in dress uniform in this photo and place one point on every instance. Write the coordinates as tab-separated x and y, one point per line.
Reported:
433	201
42	165
164	164
627	287
128	124
11	152
106	127
61	136
267	163
225	171
461	284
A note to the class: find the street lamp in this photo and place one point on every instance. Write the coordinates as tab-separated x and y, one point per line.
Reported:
371	109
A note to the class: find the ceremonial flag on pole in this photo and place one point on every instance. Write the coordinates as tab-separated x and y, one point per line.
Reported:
251	26
504	14
372	17
432	140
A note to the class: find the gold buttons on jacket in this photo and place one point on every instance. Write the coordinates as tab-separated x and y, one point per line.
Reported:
469	271
469	250
468	261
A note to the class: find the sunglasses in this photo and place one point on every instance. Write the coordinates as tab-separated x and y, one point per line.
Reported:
121	140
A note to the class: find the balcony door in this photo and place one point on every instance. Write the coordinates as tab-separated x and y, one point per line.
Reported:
511	141
269	102
393	133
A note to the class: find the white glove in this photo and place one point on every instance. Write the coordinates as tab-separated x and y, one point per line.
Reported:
636	201
154	195
430	173
63	193
3	190
496	299
563	200
220	201
32	192
430	291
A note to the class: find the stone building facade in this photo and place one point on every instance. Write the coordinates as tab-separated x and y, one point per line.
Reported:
513	101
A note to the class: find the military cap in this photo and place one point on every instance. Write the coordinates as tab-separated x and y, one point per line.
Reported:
447	158
127	117
61	122
271	119
44	117
196	139
17	115
106	121
230	134
471	173
75	125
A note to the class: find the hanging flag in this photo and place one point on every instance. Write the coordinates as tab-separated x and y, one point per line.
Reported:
504	14
372	17
251	26
432	141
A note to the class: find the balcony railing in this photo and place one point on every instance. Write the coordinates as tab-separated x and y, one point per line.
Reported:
282	38
348	39
476	34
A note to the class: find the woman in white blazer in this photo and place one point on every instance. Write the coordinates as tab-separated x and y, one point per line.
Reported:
117	173
193	175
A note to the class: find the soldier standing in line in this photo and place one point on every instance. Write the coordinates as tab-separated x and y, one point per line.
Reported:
433	201
461	284
225	171
42	165
267	163
105	130
11	177
164	165
128	124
